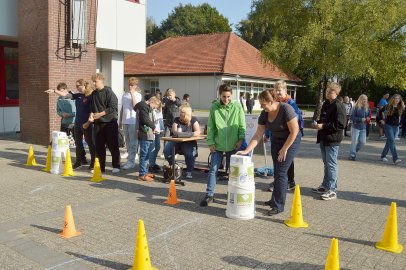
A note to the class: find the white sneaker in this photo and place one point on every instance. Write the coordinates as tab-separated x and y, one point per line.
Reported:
136	156
384	159
397	139
115	170
128	166
125	155
329	195
189	175
397	161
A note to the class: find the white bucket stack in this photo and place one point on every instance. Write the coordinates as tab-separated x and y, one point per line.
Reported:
60	144
241	188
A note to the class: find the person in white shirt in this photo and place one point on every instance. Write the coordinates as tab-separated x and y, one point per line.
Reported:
128	121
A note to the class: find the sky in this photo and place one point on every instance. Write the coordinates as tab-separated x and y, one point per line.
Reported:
233	10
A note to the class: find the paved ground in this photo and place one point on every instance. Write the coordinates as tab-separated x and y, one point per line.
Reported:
187	236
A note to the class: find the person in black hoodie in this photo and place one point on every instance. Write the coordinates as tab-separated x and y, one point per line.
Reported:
171	104
146	131
330	134
104	106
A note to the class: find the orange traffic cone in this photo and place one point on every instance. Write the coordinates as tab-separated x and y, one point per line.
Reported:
333	260
69	229
172	199
97	175
389	241
48	163
141	254
296	215
68	171
31	158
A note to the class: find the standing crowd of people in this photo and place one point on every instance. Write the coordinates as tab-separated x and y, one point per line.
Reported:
92	112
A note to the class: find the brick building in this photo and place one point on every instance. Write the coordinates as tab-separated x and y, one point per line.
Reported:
44	42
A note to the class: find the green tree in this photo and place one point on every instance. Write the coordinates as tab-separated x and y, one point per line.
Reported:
153	32
192	20
322	40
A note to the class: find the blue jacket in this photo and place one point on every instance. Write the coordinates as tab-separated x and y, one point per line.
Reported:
66	106
356	118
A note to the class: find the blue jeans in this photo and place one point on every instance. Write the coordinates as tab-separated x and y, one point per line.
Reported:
131	142
358	140
329	155
391	132
188	149
215	161
281	171
154	153
145	150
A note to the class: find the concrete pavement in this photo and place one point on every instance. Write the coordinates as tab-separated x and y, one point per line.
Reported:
186	236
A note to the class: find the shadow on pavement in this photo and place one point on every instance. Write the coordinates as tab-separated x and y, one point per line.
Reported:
251	263
351	240
355	197
49	229
102	262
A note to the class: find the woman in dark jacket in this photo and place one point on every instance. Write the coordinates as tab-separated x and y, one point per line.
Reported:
330	134
390	115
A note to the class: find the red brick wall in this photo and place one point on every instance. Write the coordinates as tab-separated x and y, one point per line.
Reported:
40	68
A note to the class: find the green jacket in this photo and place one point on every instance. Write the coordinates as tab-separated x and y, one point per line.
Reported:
226	125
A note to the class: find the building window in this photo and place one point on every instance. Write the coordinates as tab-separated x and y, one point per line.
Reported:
9	94
154	85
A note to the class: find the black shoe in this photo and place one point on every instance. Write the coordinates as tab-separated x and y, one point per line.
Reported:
150	169
84	162
351	158
319	190
206	201
267	203
76	165
273	212
156	168
291	185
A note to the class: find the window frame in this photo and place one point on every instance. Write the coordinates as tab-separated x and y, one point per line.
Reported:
3	85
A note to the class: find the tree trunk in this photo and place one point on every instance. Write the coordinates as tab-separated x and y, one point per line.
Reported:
322	88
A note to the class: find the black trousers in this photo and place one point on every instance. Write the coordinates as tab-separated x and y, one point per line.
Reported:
80	150
107	134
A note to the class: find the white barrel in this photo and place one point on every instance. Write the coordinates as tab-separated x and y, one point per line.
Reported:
242	173
241	200
237	159
56	162
58	140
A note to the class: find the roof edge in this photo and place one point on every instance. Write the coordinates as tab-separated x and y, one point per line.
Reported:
226	52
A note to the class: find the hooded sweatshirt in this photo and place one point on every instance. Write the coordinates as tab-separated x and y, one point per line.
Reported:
226	125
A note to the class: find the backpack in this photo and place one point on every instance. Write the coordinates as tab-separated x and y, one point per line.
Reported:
299	113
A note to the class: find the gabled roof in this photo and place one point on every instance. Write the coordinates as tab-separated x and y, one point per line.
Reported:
222	53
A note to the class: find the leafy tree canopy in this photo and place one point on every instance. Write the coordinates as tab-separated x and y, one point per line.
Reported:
192	20
321	40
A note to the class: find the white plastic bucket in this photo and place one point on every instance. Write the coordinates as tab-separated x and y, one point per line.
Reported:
61	143
56	162
238	159
242	173
241	200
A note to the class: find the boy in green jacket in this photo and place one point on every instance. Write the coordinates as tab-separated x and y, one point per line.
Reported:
225	134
